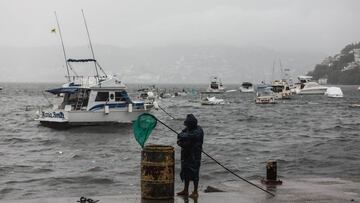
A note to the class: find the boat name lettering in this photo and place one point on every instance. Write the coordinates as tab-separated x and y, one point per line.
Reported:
53	114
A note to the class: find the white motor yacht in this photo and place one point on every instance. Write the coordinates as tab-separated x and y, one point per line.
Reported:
247	87
313	88
215	85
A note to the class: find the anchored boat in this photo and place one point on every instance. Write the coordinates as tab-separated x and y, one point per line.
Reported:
91	100
215	85
281	89
96	100
247	87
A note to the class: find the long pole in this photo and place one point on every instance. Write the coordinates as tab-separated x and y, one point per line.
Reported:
63	47
219	162
166	112
91	47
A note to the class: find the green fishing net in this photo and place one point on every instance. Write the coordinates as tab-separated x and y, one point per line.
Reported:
143	126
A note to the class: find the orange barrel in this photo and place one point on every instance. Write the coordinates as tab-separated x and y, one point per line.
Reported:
157	172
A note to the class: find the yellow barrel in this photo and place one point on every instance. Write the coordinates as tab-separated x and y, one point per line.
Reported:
157	172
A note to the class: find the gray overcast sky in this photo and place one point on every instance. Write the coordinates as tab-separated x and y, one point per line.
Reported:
302	25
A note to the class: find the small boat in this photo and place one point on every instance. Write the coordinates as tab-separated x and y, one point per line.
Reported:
281	89
313	88
264	95
334	92
1	88
208	98
215	85
212	101
359	88
247	87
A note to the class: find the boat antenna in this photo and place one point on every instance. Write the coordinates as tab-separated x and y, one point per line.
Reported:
92	50
281	69
63	47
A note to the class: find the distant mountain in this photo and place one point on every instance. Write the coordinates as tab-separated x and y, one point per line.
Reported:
172	64
343	68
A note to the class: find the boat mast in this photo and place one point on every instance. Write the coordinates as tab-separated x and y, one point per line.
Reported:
63	47
92	50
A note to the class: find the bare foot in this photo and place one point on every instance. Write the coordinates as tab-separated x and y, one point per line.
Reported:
183	193
194	195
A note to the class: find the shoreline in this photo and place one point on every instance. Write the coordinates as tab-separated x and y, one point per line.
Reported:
292	190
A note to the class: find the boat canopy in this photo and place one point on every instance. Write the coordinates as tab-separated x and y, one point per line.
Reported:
68	90
81	60
246	84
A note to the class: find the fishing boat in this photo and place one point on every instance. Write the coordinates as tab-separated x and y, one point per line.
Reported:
215	85
264	95
247	87
93	101
281	89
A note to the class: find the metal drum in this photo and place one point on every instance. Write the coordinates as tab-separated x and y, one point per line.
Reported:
157	172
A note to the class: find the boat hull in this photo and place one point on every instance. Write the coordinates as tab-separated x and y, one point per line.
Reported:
90	118
313	91
245	90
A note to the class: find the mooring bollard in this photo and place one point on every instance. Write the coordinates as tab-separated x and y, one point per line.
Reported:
271	174
157	172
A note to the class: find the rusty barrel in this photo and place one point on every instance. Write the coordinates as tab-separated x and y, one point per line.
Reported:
157	172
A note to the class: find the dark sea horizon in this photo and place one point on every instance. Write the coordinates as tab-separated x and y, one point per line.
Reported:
309	136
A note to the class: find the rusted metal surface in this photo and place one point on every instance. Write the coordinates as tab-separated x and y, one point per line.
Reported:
271	174
157	172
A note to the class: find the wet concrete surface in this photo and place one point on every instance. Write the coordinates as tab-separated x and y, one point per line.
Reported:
310	190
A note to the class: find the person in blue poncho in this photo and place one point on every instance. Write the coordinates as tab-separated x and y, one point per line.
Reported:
190	140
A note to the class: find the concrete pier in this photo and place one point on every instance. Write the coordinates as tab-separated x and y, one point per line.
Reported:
309	190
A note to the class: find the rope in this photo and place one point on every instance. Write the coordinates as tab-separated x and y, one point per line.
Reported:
220	163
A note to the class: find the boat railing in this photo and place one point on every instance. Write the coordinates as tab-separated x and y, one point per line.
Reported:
85	81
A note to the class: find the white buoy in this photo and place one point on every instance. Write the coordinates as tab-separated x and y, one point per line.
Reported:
334	92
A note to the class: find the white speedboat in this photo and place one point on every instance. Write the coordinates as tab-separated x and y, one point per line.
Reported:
247	87
92	101
334	92
281	89
215	85
313	88
296	88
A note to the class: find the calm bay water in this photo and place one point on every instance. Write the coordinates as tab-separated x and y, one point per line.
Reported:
308	135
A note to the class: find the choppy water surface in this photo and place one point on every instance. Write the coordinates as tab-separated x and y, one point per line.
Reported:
308	135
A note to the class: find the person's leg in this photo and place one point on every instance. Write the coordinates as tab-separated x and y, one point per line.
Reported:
195	193
185	191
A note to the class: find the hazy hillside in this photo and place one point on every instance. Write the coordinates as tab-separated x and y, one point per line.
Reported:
173	64
343	68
